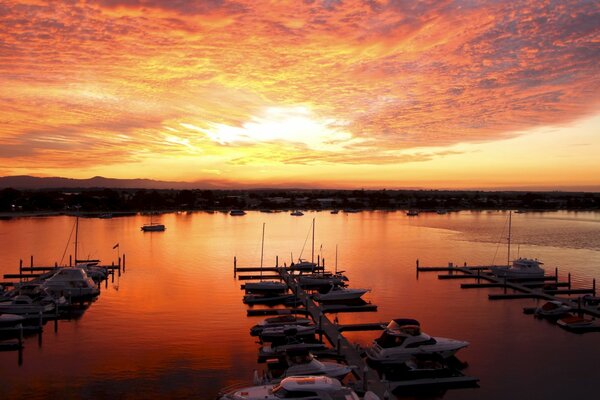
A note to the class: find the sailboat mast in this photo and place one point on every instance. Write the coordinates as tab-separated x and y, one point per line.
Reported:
336	246
312	260
262	248
509	232
76	235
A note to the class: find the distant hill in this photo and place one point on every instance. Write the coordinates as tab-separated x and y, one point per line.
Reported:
32	182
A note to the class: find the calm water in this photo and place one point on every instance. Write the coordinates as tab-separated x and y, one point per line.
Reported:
174	326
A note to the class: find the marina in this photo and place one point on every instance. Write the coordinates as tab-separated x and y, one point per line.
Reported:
165	279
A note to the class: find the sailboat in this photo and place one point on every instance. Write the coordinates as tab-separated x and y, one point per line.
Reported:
153	226
264	286
521	267
303	265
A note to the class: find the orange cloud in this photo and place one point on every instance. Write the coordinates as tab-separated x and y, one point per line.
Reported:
129	81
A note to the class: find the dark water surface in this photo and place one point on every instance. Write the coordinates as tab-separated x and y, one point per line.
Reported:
174	326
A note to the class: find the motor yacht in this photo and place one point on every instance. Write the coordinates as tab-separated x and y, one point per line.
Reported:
73	283
297	213
301	363
403	338
237	213
520	268
278	321
326	280
296	387
274	350
303	266
337	293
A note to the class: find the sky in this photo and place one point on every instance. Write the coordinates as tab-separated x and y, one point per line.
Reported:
331	93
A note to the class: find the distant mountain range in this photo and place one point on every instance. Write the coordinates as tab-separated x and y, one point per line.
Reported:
32	182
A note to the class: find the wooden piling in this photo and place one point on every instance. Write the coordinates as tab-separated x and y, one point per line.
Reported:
234	265
276	261
31	261
123	262
594	286
569	280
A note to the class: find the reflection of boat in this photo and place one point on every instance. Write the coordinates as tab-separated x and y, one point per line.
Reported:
521	267
277	321
552	309
304	363
237	213
337	293
403	338
574	323
297	213
72	283
308	387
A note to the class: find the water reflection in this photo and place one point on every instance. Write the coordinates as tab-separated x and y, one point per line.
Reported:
174	324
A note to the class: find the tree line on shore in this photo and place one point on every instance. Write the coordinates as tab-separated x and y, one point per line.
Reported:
106	200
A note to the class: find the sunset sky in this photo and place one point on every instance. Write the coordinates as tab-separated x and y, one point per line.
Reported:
332	93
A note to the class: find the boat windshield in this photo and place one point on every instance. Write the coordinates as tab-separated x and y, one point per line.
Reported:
386	340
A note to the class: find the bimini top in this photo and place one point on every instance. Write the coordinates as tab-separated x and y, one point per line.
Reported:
398	323
299	383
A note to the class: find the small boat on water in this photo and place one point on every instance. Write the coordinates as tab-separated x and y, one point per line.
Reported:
552	309
338	293
237	213
297	213
277	321
577	324
296	387
303	266
153	227
412	213
334	211
281	332
403	338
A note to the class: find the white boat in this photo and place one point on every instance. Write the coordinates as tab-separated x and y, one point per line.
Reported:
237	213
521	268
403	339
295	387
338	293
304	363
281	332
297	213
72	283
552	308
277	321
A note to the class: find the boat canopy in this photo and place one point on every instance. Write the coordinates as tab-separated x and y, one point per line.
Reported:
398	323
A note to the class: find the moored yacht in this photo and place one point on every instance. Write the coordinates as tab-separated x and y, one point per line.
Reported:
337	293
265	286
403	338
552	308
520	268
72	283
281	332
297	213
295	387
278	321
237	213
304	363
29	300
318	279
